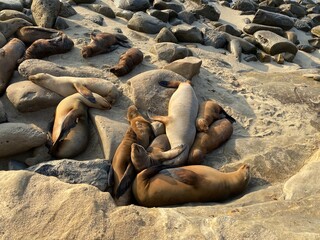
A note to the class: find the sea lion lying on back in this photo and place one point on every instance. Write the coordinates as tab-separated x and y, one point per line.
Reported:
127	62
156	187
104	43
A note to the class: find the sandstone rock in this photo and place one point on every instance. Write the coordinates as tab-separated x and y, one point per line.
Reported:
132	5
186	33
245	5
314	42
66	10
143	22
45	12
126	14
295	9
215	39
9	14
11	4
165	35
208	11
161	5
10	26
161	15
186	67
273	44
187	17
19	137
29	97
253	27
147	93
316	31
273	19
170	51
93	172
3	115
34	66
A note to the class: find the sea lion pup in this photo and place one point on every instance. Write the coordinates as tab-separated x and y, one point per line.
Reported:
127	62
9	55
70	128
180	122
104	43
66	86
157	187
205	142
46	47
210	111
31	34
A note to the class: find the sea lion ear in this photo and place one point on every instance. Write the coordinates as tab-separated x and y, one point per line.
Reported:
85	92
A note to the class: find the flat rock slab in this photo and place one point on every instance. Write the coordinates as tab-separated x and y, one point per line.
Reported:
273	44
93	172
16	138
29	97
186	67
143	22
45	12
170	51
273	19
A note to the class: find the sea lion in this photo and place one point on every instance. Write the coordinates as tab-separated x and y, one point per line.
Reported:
104	43
66	86
210	111
180	122
31	34
7	14
70	128
46	47
9	55
235	48
205	142
9	27
127	62
156	187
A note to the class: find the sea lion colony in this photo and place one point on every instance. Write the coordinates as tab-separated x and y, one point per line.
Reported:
148	167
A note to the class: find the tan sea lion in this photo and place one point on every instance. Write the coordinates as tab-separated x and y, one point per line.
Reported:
70	128
205	142
127	62
9	55
31	34
104	43
46	47
156	187
9	27
66	86
210	111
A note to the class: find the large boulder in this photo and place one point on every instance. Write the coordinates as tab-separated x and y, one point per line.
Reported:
207	11
273	19
186	67
143	22
45	12
170	51
187	33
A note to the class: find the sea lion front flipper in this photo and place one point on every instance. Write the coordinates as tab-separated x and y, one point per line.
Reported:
85	92
111	48
182	175
70	121
126	181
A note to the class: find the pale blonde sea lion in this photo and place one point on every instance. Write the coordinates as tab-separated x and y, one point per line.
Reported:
157	187
66	86
70	128
9	56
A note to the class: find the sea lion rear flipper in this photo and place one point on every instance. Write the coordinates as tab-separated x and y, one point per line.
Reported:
85	92
126	180
111	48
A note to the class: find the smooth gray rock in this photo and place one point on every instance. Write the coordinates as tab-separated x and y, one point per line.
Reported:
273	19
246	46
187	33
16	138
83	1
97	19
29	97
251	28
291	36
10	26
214	38
208	11
161	15
66	10
11	4
162	5
143	22
170	51
45	12
165	35
3	115
132	5
187	17
273	44
245	5
126	14
93	172
60	24
229	29
104	10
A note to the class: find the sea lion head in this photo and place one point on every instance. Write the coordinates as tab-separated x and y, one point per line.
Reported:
139	157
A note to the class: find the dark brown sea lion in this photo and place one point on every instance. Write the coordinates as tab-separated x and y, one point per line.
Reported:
156	187
104	43
31	34
205	142
127	62
9	56
210	111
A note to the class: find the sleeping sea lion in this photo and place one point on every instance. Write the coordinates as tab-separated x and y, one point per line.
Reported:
104	43
66	86
9	55
70	128
156	187
210	111
127	62
31	34
205	142
9	27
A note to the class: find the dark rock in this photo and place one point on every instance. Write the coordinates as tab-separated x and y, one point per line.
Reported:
208	11
274	3
291	36
288	56
170	51
315	18
245	5
250	58
16	165
279	58
126	14
11	4
161	15
172	14
186	33
143	22
187	67
161	5
132	5
229	29
66	10
175	22
225	3
253	27
3	115
61	24
165	35
83	1
246	46
26	3
215	39
306	48
270	9
263	57
104	10
314	42
295	9
187	17
251	40
302	25
273	19
97	19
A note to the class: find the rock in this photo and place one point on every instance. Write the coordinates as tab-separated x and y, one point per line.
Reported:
246	46
250	39
305	182
187	17
60	24
273	44
126	14
214	38
34	66
29	97
104	10
9	14
16	138
302	25
161	15
273	19
175	22
66	10
315	18
170	51
314	42
165	35
186	33
143	22
251	28
229	29
93	172
162	5
11	4
10	26
3	115
291	36
245	5
250	58
147	93
83	1
316	31
295	9
186	67
306	48
97	19
26	3
208	11
263	57
45	12
132	5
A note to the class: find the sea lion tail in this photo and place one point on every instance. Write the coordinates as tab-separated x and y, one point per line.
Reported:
126	181
227	116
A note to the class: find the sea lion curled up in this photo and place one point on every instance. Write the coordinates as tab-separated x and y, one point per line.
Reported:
157	187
